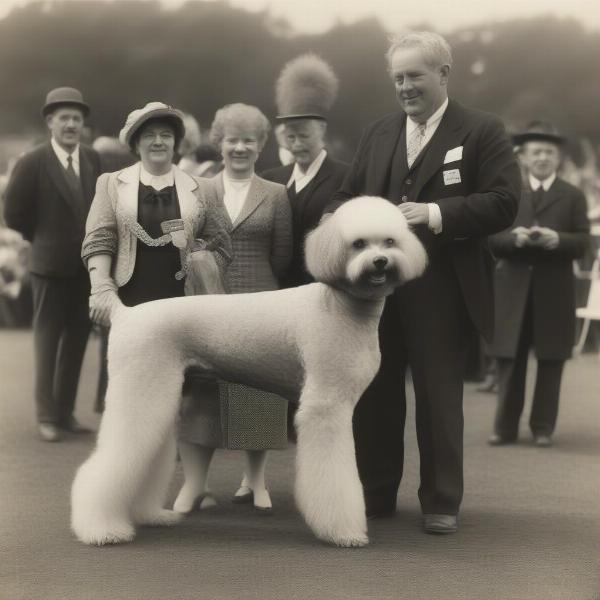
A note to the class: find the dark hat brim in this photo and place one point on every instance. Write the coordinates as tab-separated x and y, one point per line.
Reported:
298	117
521	138
52	106
168	114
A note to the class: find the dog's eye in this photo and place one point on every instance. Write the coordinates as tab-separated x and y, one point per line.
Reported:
359	244
390	242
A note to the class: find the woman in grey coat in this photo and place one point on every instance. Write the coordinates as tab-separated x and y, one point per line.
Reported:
260	227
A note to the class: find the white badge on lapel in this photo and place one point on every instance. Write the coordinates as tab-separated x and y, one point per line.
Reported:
451	177
453	155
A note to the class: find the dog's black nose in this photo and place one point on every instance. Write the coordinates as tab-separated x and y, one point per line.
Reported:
380	262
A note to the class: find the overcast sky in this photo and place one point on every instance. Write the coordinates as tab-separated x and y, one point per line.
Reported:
445	15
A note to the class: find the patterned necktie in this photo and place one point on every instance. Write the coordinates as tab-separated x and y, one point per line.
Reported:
72	177
415	143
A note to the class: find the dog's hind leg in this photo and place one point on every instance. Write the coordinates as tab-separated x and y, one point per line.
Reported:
148	507
140	414
328	489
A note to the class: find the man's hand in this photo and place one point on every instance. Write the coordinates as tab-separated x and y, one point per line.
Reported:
543	237
416	213
521	236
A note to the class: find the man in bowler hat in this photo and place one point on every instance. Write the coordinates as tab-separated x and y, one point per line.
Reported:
47	200
535	287
452	173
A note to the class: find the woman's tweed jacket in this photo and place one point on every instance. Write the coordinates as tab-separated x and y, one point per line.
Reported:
114	209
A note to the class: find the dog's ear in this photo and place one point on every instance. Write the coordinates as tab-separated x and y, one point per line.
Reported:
415	253
325	251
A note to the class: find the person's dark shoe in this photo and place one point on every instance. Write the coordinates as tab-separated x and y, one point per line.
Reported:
244	495
499	440
49	432
72	425
542	441
440	524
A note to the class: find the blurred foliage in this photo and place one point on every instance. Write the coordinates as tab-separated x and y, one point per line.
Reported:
203	55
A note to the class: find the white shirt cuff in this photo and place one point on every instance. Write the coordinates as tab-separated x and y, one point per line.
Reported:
435	218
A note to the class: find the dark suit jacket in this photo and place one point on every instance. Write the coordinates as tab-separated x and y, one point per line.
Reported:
40	205
308	209
483	202
548	274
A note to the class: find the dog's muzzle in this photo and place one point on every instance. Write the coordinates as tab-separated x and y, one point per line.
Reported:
379	276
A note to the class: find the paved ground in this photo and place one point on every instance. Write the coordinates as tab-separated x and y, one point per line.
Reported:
530	524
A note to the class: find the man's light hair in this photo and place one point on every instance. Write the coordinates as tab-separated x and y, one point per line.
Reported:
435	48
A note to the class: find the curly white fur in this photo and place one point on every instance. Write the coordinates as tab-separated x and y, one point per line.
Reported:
317	342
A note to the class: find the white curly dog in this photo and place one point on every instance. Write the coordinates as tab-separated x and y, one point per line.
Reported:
318	343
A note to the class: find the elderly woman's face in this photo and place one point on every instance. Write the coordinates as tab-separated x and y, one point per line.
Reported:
156	145
240	149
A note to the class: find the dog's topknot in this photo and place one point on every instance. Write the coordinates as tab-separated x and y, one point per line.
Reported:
307	88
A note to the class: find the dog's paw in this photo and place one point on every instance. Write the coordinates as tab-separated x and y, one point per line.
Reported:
162	518
350	540
120	533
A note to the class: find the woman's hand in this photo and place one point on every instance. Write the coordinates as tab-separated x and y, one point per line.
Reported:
103	302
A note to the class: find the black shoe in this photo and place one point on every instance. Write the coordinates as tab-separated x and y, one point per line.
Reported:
440	524
73	426
499	440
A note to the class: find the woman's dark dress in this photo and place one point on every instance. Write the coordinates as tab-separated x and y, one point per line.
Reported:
153	275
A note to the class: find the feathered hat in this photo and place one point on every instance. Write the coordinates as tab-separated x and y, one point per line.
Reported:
306	89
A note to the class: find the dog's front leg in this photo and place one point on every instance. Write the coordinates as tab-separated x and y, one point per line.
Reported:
328	489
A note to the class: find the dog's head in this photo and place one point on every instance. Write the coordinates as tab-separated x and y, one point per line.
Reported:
365	247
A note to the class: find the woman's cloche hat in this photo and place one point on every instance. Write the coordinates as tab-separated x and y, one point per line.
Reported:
539	131
306	89
64	96
152	110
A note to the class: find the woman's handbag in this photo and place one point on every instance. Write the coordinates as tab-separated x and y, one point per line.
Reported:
203	273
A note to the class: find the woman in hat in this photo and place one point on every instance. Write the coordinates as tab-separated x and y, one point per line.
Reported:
146	218
260	226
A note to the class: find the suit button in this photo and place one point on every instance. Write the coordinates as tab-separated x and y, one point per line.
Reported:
408	181
404	198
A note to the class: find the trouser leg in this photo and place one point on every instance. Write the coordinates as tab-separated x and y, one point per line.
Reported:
72	345
435	324
379	420
48	324
512	373
544	411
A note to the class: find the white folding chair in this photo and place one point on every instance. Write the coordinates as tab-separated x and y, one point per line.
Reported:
590	312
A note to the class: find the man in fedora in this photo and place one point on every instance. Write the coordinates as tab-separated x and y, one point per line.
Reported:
305	92
535	287
47	200
452	173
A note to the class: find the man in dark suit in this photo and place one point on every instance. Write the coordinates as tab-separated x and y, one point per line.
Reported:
535	287
314	176
451	171
47	200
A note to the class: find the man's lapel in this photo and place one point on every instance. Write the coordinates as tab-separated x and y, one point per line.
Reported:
386	146
322	175
548	199
446	136
86	174
56	173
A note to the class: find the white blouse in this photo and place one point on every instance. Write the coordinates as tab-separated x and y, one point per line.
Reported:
236	191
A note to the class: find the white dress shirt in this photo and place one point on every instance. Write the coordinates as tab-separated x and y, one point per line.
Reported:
303	179
435	215
62	155
158	182
236	192
536	183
